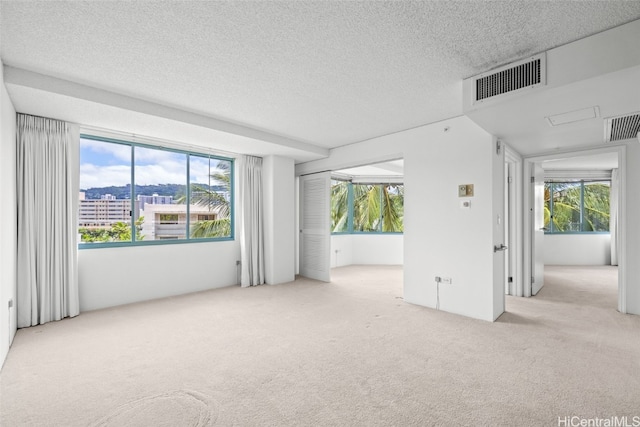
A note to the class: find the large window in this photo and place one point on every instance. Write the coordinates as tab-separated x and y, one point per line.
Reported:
139	194
366	208
577	207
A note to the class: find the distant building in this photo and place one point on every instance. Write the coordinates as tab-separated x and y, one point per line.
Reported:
154	200
170	221
103	213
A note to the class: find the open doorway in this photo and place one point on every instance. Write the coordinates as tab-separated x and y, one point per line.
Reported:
367	215
580	209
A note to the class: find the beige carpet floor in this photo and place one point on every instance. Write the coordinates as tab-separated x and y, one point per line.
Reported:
346	353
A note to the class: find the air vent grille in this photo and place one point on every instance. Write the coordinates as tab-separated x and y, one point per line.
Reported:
621	128
528	73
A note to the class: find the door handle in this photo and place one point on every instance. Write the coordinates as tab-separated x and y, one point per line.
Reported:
502	247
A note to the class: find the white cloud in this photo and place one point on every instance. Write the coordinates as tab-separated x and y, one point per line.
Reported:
103	176
117	151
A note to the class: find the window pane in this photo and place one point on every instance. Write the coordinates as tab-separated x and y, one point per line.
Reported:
393	208
210	192
548	190
596	206
367	212
339	206
160	182
105	192
566	206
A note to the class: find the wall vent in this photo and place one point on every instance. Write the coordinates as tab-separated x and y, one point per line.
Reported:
521	75
622	127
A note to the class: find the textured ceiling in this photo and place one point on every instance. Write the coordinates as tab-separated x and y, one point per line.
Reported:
328	73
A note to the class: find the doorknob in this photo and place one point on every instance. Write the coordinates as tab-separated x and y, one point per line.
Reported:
502	247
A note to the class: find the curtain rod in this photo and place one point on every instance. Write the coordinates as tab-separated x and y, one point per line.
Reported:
134	137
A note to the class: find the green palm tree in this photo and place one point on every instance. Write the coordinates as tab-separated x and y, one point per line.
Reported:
376	207
339	206
215	201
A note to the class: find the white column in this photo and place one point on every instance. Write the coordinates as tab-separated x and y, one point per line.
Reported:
278	180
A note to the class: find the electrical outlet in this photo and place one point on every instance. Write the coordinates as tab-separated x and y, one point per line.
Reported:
438	279
10	303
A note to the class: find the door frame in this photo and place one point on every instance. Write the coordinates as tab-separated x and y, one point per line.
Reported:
515	212
622	212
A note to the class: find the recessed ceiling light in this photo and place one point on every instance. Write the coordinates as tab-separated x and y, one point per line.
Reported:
573	116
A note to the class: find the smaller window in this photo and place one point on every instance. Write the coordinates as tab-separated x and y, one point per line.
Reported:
168	218
577	206
366	208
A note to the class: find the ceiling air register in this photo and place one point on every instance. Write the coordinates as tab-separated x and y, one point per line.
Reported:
509	79
622	127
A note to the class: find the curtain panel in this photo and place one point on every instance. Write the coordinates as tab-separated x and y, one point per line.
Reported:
251	222
48	188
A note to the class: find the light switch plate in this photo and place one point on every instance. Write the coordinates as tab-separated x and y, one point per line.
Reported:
465	190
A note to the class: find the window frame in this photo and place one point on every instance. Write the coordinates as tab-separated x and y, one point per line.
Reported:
350	211
132	195
582	209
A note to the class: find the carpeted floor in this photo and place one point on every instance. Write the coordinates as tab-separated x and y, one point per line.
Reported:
346	353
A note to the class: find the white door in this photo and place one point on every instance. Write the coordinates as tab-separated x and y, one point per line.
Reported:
499	245
315	226
537	237
507	228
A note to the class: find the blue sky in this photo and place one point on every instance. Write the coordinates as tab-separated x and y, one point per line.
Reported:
104	164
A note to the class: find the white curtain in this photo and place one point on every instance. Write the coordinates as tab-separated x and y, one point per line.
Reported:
48	188
251	222
613	215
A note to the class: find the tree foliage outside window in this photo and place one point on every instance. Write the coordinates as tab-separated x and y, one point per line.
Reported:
218	224
366	208
340	206
161	193
581	206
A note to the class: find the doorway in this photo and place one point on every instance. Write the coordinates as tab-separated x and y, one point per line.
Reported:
590	165
367	214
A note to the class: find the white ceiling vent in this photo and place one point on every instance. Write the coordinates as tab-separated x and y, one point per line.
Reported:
509	79
622	127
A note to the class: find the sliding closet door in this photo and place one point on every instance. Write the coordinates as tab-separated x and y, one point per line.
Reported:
315	232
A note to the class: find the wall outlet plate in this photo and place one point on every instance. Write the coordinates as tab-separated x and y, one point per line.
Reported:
465	190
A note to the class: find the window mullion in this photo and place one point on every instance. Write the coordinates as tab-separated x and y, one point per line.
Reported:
551	197
350	210
188	196
381	208
132	195
582	206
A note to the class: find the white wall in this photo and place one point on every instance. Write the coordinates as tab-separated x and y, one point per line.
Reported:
367	249
440	238
116	276
279	219
8	238
577	249
632	234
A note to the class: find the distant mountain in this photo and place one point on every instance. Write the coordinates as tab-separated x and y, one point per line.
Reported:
124	192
